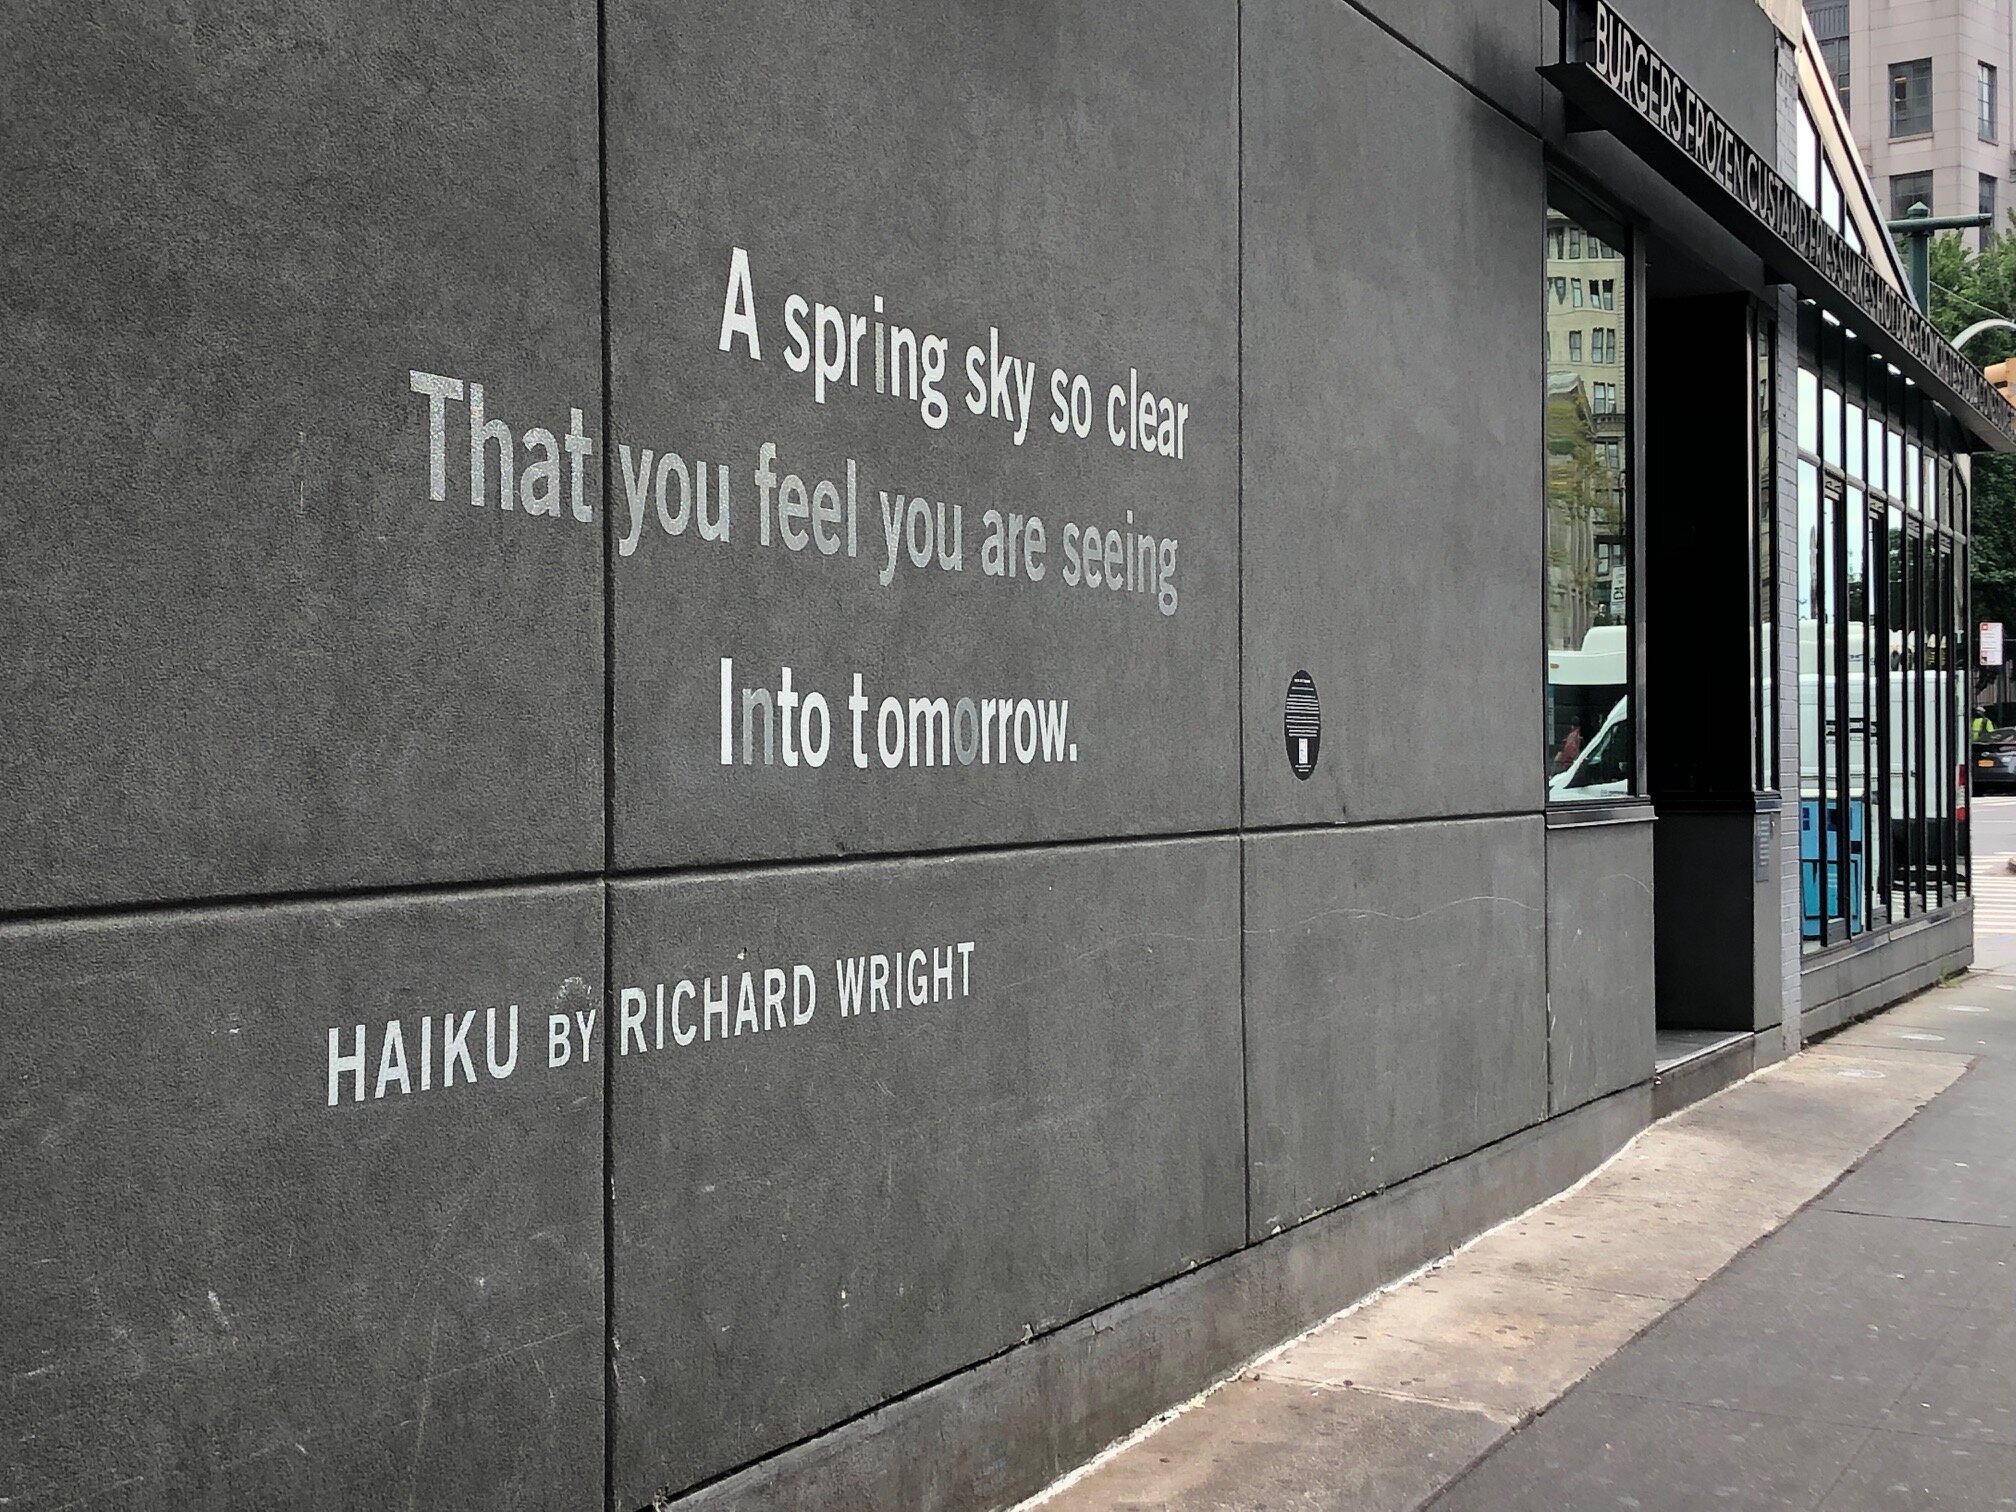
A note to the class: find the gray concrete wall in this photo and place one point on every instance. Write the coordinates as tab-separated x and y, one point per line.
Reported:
250	654
1011	216
435	1071
813	1221
1360	240
241	1276
1600	983
1395	1005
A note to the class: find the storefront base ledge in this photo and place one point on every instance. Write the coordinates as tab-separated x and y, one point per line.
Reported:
1002	1430
1705	1075
1839	991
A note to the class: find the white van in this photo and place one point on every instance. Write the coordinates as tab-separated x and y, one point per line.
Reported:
1603	767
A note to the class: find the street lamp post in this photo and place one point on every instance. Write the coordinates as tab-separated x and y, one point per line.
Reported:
1915	231
1992	323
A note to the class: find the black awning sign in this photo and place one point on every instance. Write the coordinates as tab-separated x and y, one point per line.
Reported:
1623	85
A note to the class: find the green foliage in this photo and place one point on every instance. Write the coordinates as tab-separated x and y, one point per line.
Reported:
1966	287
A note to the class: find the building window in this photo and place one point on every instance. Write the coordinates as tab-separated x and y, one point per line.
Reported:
1882	681
1809	159
1591	749
1911	98
1984	102
1830	30
1908	189
1985	204
1575	292
1574	241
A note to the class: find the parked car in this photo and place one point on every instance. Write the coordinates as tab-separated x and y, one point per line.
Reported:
1995	762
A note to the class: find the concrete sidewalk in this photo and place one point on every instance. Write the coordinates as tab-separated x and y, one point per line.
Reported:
1856	1351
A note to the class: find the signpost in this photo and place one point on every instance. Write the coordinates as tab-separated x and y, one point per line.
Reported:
1991	655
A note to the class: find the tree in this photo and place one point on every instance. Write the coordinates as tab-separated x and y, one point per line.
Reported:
1966	287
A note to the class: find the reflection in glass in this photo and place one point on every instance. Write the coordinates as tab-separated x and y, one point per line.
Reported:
1591	746
1853	791
1812	754
1946	761
1914	694
1881	635
1897	735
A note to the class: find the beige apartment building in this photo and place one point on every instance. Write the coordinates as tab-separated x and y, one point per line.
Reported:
1926	86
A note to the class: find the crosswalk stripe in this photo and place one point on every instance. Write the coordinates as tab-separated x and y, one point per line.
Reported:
1994	885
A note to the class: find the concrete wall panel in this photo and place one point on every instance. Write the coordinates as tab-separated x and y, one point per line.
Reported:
1395	1004
990	1436
1392	473
1052	183
1492	48
251	653
1601	1020
811	1219
220	1290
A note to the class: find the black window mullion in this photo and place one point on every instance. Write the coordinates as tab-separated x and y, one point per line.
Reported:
1834	635
1915	532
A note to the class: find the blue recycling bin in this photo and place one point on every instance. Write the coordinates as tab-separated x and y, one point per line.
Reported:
1817	872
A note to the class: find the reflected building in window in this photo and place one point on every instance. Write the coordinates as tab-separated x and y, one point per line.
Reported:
1588	511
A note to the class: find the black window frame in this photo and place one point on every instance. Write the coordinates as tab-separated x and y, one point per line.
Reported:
1880	465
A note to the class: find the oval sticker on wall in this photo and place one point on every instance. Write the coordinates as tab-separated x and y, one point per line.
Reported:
1302	724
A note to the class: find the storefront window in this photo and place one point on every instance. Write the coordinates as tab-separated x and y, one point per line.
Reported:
1591	733
1879	600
